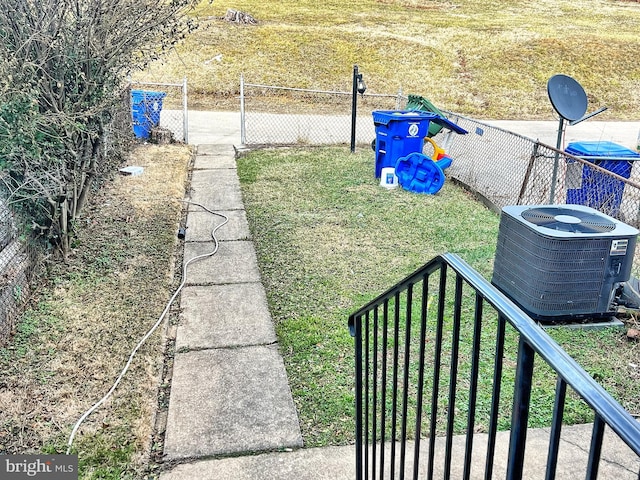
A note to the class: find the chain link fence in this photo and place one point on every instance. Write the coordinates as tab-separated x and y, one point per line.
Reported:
19	261
291	116
509	169
161	105
502	167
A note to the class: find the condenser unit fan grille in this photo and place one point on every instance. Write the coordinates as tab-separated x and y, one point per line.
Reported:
568	220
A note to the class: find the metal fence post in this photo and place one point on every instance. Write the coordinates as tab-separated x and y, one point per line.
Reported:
354	105
399	99
554	175
185	111
527	175
243	128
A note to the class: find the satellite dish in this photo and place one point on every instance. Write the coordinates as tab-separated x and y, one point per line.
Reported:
567	97
570	101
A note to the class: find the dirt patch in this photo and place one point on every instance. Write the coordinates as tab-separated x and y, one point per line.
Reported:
73	342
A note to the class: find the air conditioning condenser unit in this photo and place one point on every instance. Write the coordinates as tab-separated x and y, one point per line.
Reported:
563	262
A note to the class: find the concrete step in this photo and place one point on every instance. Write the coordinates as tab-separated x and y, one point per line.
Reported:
618	461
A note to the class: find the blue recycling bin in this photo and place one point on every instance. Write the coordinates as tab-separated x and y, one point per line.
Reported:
593	188
402	132
145	111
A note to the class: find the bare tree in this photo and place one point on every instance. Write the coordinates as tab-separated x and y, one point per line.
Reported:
63	65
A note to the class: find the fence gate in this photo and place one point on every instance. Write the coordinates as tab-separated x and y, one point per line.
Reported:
174	114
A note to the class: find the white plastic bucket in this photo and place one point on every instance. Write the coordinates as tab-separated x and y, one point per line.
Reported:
388	178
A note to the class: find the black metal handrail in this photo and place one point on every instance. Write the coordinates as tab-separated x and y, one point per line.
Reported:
391	375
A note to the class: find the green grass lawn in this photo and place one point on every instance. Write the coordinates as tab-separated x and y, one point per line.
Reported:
329	239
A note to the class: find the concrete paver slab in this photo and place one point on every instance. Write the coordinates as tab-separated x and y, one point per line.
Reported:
330	463
235	262
617	460
226	149
217	198
221	128
217	177
216	189
214	162
224	316
572	456
230	401
200	224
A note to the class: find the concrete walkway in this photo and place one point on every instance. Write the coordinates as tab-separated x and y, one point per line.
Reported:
231	414
229	394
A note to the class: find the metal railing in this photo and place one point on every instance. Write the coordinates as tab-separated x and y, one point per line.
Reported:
174	114
431	350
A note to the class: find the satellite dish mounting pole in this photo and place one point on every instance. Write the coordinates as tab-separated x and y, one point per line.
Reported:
556	160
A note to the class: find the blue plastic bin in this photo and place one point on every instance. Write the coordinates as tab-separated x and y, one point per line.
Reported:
145	111
401	132
595	189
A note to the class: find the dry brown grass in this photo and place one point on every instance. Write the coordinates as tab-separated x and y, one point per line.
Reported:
71	347
481	58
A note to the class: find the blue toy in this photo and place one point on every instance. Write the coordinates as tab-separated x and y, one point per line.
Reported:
418	173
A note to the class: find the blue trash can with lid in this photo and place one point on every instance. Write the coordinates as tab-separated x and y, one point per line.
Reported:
595	189
401	132
145	111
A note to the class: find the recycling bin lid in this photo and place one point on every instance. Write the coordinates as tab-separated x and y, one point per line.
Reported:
601	149
384	117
